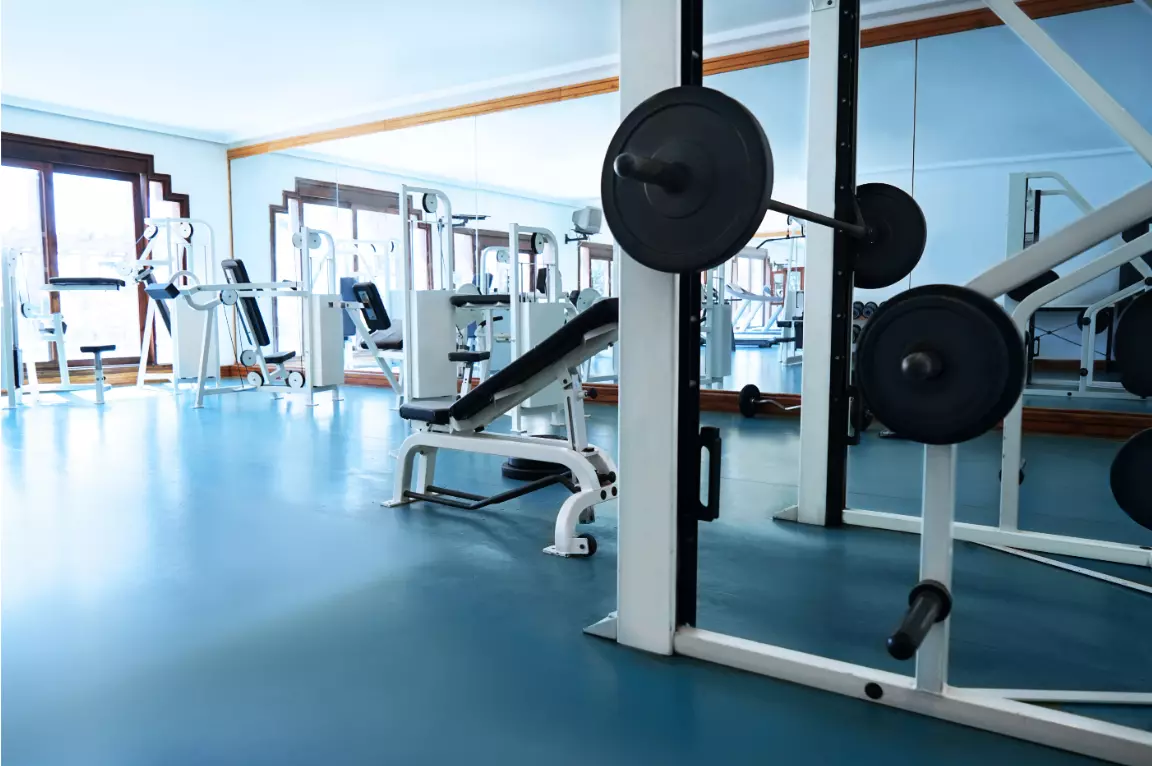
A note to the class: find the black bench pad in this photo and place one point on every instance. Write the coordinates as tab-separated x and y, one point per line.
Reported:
280	358
480	300
99	348
108	282
468	356
434	412
532	362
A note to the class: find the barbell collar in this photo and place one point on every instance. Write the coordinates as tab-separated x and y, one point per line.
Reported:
672	177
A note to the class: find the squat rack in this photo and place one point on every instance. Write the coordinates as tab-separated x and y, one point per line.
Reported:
660	438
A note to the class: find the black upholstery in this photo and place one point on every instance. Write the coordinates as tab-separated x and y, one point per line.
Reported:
108	282
347	293
236	274
435	413
535	360
1021	292
280	358
542	281
480	300
472	357
164	292
149	279
375	315
98	349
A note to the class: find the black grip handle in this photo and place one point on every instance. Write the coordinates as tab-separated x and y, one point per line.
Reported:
710	440
928	603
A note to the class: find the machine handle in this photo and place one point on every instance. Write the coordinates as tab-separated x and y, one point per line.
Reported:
928	603
710	440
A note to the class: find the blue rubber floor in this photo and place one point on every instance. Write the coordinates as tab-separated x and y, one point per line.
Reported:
222	586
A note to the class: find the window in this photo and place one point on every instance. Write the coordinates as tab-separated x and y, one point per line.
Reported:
79	210
596	268
464	253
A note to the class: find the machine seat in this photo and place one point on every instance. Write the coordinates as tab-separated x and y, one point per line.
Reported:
280	358
471	357
92	283
496	299
100	349
435	412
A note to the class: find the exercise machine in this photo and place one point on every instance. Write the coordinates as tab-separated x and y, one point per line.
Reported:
1027	192
939	363
22	310
173	245
459	424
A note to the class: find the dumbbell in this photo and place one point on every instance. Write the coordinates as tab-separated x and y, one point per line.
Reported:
750	399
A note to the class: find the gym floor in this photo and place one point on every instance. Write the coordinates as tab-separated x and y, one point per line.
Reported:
222	586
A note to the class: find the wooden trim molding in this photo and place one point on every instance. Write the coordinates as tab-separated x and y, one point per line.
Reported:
883	35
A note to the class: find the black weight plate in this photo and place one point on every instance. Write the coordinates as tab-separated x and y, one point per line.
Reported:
729	162
1129	478
1021	292
749	395
1133	346
869	309
857	309
980	350
900	234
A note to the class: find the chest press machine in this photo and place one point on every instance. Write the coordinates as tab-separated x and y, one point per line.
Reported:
686	180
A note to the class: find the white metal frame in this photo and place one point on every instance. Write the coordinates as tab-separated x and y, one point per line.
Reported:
1020	208
13	367
416	462
645	618
176	249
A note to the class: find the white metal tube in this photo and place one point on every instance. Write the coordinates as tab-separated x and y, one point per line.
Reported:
406	281
1098	99
514	309
648	428
939	511
823	97
1065	244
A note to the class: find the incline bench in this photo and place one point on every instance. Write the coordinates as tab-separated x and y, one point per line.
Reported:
459	425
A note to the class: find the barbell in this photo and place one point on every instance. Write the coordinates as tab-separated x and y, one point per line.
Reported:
688	178
686	182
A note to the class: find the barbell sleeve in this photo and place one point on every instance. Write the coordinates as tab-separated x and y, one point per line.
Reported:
929	603
672	177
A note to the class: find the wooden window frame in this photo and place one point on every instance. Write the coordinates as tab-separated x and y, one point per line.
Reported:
49	156
596	252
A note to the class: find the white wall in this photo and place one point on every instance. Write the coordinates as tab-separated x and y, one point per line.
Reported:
198	168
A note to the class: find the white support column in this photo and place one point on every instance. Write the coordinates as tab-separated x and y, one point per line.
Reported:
406	287
1098	99
649	63
938	511
822	97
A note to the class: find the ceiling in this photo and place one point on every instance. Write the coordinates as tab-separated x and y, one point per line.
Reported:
238	71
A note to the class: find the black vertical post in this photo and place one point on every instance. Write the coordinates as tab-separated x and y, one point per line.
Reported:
688	374
843	256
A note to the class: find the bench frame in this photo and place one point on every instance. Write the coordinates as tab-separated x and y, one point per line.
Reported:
593	472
